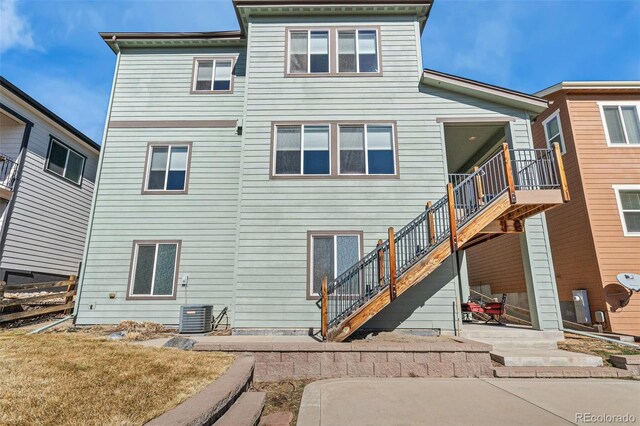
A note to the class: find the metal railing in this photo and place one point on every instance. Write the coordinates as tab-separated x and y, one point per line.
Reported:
379	269
8	171
534	169
456	178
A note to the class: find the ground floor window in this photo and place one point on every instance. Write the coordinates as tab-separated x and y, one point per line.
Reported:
331	254
154	269
628	197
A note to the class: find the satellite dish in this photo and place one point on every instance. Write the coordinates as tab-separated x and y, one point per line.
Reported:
629	280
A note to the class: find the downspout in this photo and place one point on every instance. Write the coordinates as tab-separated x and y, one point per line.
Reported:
103	147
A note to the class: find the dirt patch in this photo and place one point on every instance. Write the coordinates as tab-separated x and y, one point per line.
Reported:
282	396
70	379
397	337
597	347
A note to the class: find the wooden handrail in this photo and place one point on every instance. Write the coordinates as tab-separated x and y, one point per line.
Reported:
508	172
431	223
478	186
324	321
392	263
380	264
564	186
452	217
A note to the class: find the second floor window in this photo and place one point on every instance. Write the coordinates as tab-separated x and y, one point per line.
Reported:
366	149
629	205
622	124
65	162
212	75
167	168
302	150
308	52
553	131
358	51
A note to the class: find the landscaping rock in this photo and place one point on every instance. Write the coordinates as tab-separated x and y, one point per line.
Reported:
277	419
118	335
183	343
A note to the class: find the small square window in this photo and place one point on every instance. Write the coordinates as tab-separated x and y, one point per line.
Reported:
367	149
65	162
154	269
302	150
308	52
168	168
628	198
358	51
622	124
331	255
213	75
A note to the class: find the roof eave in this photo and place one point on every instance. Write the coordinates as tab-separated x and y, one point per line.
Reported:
112	39
590	85
501	95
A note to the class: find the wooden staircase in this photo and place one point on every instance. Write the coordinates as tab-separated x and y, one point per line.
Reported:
494	200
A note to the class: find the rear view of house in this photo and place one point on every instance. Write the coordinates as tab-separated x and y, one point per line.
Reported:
47	174
596	236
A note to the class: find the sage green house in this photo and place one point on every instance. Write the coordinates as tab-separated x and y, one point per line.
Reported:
239	168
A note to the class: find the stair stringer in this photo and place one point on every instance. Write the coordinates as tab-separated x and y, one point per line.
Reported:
420	270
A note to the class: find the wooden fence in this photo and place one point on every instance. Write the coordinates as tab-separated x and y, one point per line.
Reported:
13	303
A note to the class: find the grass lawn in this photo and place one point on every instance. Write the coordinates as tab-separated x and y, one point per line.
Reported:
601	348
72	379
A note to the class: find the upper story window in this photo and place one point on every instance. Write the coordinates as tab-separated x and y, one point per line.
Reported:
302	150
628	197
64	161
621	122
367	149
167	168
154	269
553	131
308	51
213	75
358	51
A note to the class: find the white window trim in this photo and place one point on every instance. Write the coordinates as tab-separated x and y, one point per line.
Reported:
213	74
309	31
335	257
153	277
366	148
302	126
357	31
616	190
166	169
556	115
54	140
602	104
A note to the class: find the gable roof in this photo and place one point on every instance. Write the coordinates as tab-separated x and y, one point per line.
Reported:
47	112
592	86
486	91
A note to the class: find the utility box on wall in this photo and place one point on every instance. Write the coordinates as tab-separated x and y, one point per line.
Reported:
581	304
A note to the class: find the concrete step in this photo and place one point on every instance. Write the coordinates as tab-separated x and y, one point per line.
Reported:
245	411
533	357
479	333
519	343
560	372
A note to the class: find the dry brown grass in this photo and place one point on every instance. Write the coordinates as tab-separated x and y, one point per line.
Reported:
282	396
76	379
601	348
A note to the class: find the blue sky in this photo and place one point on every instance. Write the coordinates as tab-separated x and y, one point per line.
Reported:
51	49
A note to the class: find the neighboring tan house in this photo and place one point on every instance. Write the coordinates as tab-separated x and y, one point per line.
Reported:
597	234
239	168
47	174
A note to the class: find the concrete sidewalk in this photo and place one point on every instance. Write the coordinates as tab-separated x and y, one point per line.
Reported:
417	401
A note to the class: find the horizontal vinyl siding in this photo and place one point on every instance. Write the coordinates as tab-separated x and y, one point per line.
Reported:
498	263
48	223
602	167
204	219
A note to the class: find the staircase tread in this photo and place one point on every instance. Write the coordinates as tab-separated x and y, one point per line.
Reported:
246	410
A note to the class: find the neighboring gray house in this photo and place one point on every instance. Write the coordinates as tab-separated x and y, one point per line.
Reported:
240	167
47	175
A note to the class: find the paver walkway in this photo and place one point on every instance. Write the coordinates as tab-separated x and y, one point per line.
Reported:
416	401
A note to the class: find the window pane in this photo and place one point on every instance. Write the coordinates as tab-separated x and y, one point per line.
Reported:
165	270
57	158
175	180
288	146
352	149
630	115
74	167
632	220
322	261
316	150
555	139
552	128
614	125
319	51
347	51
348	252
630	200
144	269
380	150
178	158
298	52
205	71
222	80
367	49
158	167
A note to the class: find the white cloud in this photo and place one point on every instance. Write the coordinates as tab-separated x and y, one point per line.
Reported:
15	30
